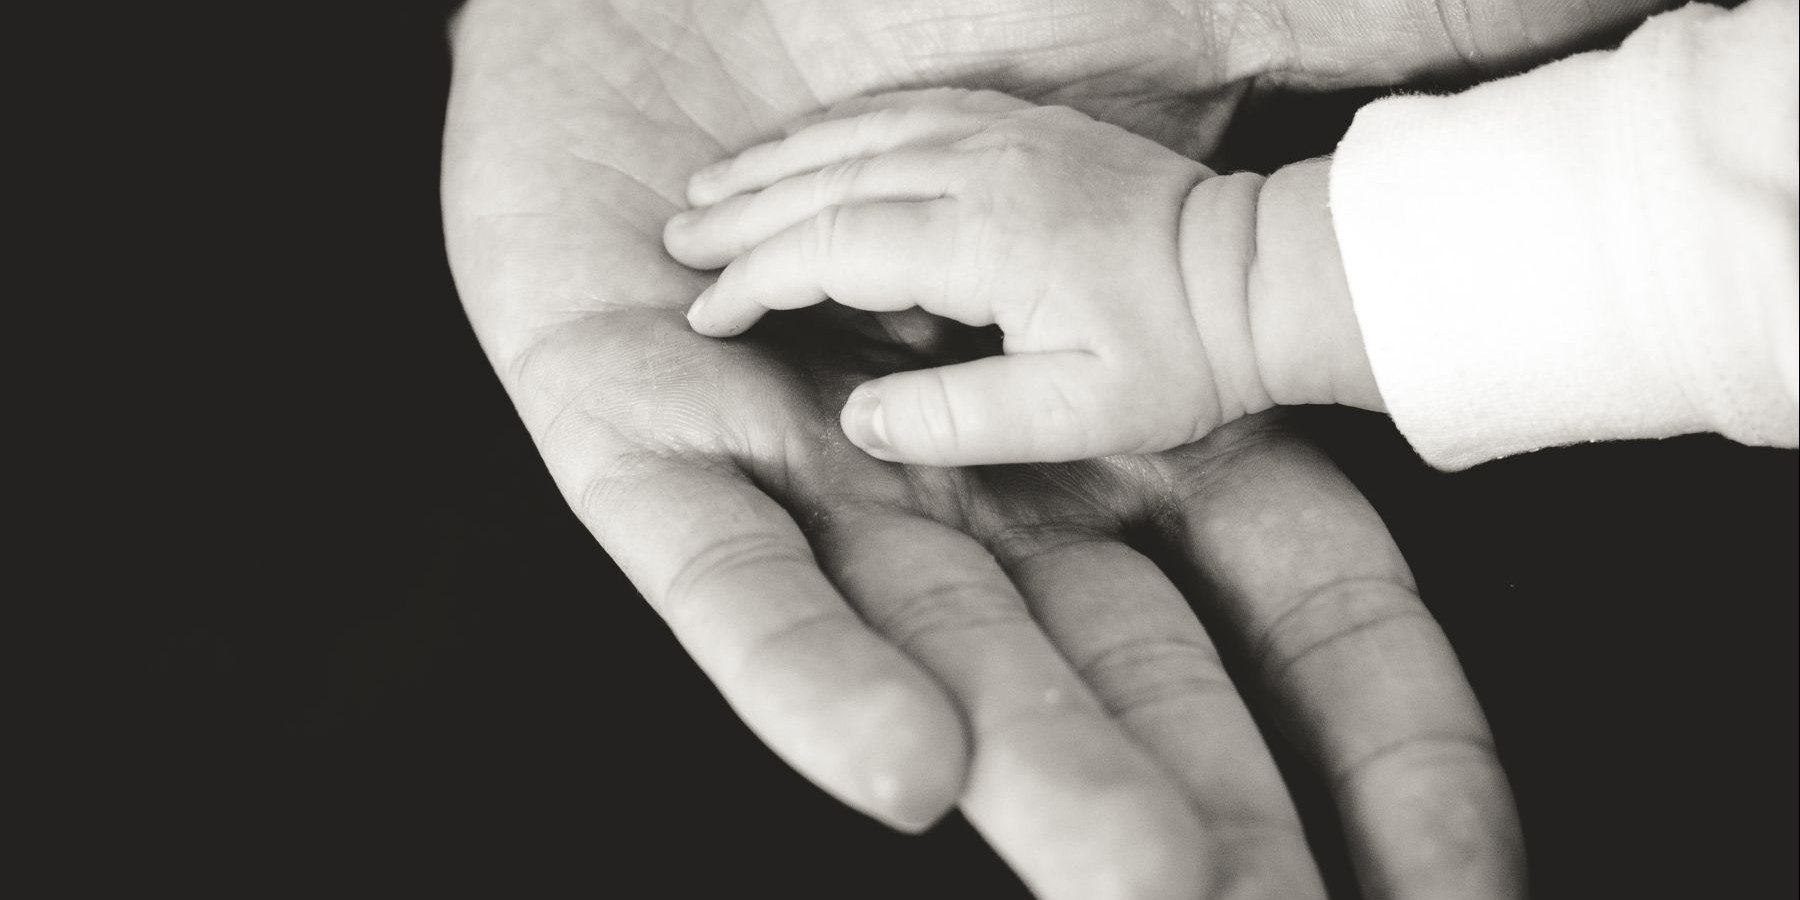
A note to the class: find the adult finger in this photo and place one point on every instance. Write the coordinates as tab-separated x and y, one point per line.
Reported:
1061	793
710	237
1137	644
734	578
831	141
1026	407
1305	573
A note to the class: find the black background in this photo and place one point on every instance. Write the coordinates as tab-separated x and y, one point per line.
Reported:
390	660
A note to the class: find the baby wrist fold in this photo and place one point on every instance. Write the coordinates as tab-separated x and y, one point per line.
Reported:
1307	343
1216	245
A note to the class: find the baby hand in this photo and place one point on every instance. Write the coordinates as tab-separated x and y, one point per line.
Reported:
985	209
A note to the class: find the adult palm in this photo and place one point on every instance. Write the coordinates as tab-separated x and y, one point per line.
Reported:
910	638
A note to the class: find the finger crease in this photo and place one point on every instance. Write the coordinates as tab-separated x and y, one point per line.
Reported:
1479	745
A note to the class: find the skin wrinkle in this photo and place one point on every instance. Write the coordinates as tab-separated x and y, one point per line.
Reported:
1053	43
1181	239
686	612
1344	777
598	490
1272	68
761	649
1151	649
1264	646
1244	460
582	304
784	473
719	559
574	406
1247	835
740	78
1104	668
630	468
833	512
781	480
667	94
821	99
1276	668
787	54
1459	29
654	70
1252	268
949	431
667	49
943	609
1054	501
513	368
673	203
554	58
718	458
1010	546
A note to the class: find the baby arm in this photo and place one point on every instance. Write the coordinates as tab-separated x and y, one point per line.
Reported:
1144	302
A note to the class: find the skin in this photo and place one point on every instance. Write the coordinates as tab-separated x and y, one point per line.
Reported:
1077	238
913	638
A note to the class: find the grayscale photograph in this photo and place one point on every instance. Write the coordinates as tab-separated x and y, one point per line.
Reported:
1016	449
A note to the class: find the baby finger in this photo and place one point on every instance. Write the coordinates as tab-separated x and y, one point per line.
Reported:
877	257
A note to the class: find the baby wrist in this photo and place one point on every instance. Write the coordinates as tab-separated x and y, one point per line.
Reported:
1217	249
1307	343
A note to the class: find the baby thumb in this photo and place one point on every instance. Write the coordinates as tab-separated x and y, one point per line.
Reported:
1032	407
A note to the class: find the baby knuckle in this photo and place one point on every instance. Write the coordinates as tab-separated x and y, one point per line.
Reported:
839	179
876	122
938	419
825	234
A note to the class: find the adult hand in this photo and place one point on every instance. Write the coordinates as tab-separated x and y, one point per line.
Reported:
911	637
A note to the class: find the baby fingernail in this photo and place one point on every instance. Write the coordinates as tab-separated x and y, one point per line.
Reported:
701	184
696	311
864	422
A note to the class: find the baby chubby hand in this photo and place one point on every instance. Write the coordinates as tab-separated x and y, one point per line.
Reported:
988	210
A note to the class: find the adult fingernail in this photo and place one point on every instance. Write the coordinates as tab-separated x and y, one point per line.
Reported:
864	422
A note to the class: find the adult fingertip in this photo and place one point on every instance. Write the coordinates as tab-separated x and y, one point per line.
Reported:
1124	841
909	805
863	723
914	760
1438	821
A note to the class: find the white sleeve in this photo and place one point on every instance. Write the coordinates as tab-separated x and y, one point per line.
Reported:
1605	247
